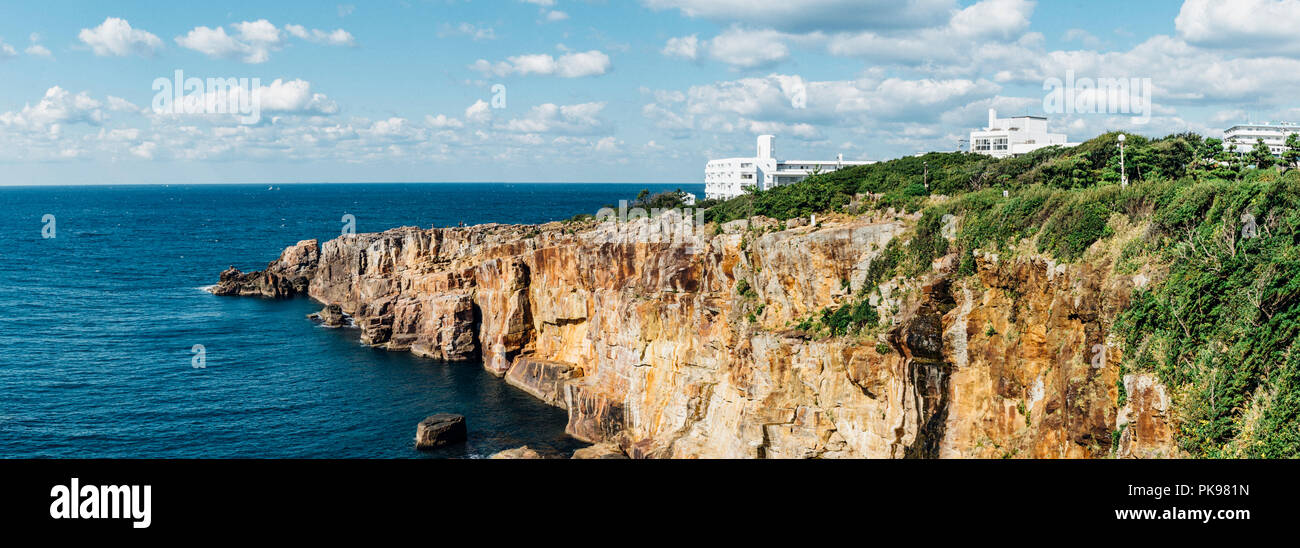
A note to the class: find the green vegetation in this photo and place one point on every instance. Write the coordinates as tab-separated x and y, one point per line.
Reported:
1220	326
662	201
744	290
1224	328
1292	155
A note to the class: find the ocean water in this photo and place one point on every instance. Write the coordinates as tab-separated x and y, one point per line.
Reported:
101	320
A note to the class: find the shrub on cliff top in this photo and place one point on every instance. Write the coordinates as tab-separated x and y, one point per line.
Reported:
1223	330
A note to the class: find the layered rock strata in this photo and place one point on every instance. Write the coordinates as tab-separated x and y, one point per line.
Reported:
688	347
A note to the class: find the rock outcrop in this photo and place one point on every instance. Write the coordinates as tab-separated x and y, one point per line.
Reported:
330	316
284	277
688	347
440	430
600	451
519	453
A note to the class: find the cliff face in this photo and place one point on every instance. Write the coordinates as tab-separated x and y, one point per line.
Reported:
653	347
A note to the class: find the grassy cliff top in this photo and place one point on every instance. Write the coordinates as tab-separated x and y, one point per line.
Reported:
1221	324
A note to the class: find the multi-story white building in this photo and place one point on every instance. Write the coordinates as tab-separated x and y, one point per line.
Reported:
1246	135
727	178
1016	135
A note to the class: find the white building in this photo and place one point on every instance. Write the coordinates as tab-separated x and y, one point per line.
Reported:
727	178
1245	136
1016	135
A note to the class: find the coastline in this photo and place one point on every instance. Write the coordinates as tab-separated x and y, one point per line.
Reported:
657	350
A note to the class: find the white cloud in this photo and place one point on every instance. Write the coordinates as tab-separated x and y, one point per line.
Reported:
551	118
569	65
789	105
253	41
145	150
737	46
975	29
216	43
258	32
748	48
37	50
479	112
7	51
442	121
806	132
118	104
992	18
609	145
115	37
294	96
1267	25
57	107
556	15
685	47
336	37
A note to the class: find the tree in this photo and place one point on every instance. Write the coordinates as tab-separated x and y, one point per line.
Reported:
1261	155
1292	154
1212	149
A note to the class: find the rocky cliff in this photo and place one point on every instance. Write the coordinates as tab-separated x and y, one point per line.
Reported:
700	346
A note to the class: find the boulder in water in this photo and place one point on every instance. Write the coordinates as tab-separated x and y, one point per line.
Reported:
440	430
524	452
330	316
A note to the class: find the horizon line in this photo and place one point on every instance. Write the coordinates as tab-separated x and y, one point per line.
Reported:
273	183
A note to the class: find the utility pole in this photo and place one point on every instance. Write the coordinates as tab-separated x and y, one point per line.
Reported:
925	177
1123	173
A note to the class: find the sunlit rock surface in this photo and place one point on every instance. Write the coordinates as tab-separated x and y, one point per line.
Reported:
654	352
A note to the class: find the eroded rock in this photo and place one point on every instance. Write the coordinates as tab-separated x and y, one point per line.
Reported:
523	452
544	379
600	451
440	430
653	347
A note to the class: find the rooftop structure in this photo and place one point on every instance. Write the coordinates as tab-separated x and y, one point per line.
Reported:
1013	136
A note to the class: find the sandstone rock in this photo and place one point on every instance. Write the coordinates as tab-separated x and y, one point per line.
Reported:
593	415
600	451
1144	420
284	277
523	452
543	379
649	347
440	430
330	316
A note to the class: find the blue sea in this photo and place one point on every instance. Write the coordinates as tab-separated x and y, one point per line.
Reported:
101	320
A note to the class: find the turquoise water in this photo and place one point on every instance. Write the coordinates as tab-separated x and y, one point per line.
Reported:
100	321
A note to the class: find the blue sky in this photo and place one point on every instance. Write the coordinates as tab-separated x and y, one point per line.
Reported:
636	91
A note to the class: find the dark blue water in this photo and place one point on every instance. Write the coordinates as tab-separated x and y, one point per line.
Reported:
100	321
